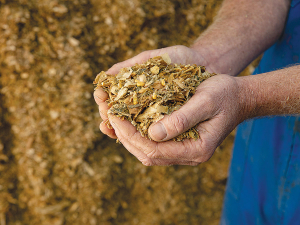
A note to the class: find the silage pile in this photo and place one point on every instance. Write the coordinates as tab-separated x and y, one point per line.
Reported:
55	166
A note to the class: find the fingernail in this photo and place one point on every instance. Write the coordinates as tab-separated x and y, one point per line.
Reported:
158	131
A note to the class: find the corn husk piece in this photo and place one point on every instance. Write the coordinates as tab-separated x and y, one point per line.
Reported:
154	112
124	73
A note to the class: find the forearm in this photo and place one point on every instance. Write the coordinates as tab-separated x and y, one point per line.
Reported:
273	93
242	30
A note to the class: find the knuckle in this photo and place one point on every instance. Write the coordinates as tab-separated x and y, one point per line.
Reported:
103	116
147	162
103	108
100	96
154	153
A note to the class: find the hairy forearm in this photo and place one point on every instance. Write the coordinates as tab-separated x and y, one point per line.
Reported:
273	93
242	30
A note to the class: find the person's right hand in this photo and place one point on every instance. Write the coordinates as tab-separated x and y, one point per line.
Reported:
216	108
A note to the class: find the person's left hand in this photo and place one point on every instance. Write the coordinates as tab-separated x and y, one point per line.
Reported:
216	107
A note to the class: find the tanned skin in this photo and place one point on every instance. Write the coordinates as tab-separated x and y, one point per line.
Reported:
242	30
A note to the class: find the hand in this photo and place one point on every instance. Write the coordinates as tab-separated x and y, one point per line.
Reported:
216	107
178	54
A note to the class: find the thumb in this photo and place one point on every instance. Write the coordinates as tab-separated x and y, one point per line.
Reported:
194	111
169	127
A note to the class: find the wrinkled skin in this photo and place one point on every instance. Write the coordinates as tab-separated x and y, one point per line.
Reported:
216	107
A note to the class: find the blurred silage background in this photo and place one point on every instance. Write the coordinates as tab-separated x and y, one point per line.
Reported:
55	165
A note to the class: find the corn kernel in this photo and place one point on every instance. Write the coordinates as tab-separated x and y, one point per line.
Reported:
154	96
163	82
154	70
140	83
120	84
135	100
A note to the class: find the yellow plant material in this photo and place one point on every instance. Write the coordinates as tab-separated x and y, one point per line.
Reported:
144	93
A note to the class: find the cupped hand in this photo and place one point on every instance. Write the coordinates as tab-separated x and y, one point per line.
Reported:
217	107
178	54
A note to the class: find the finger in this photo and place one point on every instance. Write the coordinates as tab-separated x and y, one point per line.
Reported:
151	151
105	130
131	134
140	58
100	96
124	130
103	109
214	131
199	108
175	53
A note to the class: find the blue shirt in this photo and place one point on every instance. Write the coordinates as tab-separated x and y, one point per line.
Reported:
264	179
